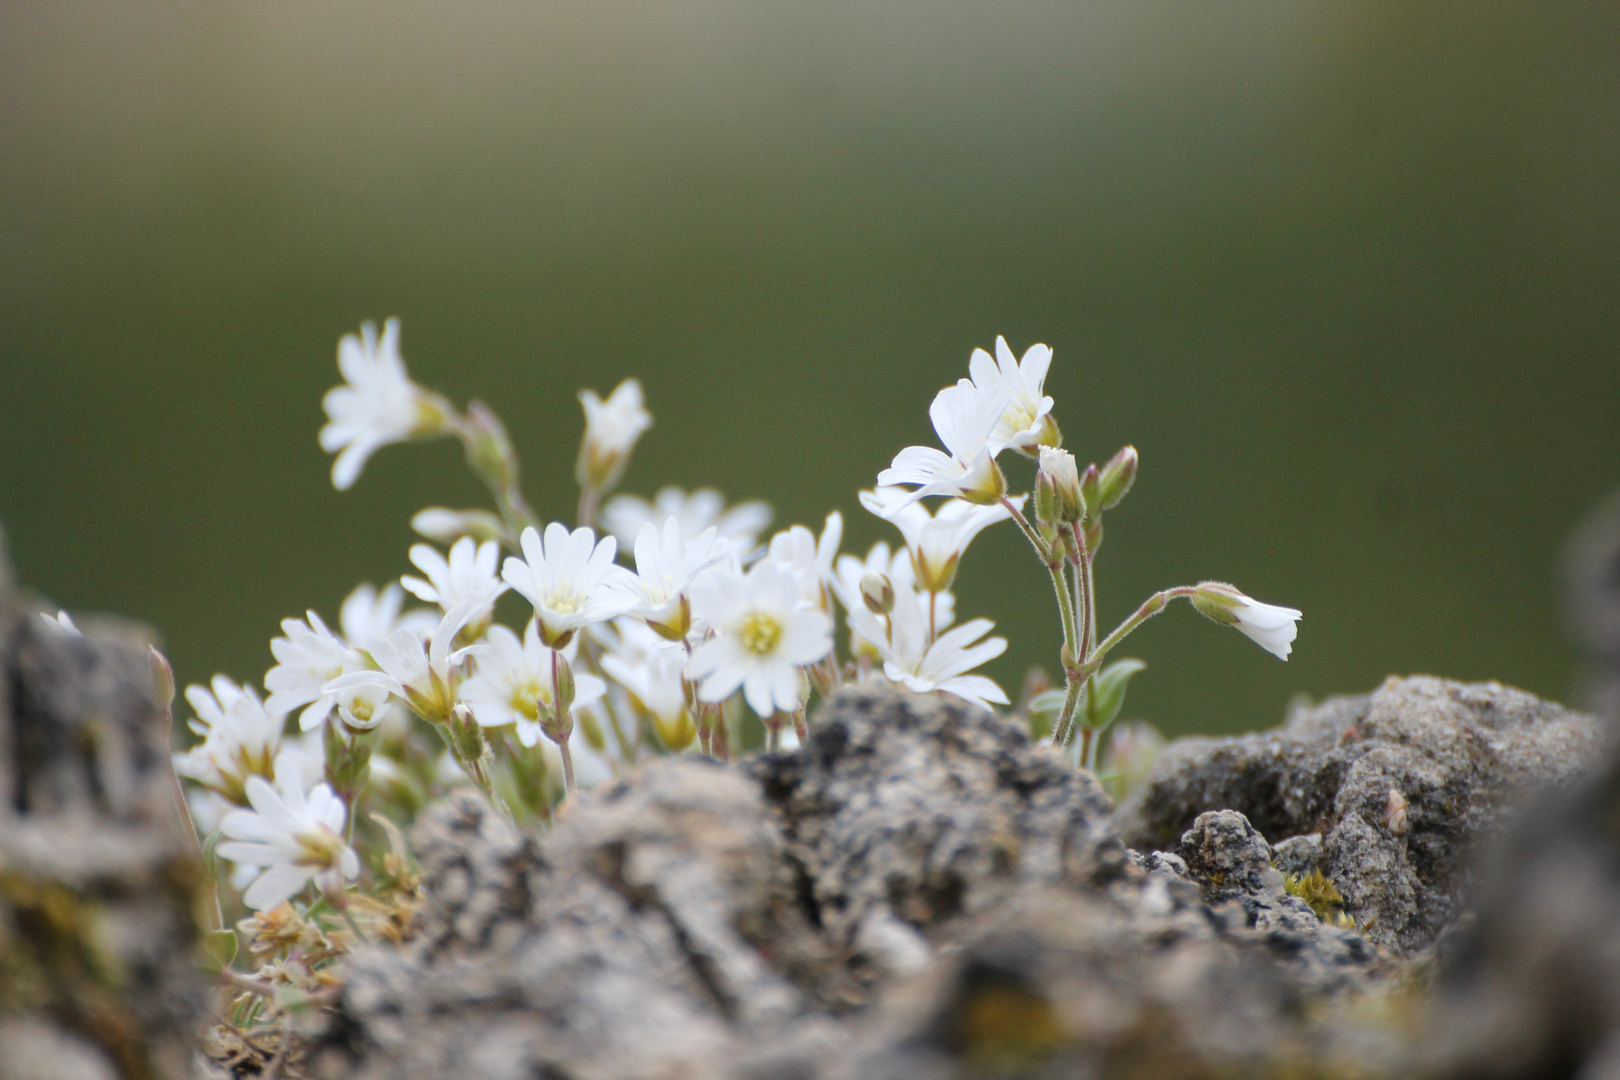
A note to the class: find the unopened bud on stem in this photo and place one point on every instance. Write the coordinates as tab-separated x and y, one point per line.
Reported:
1060	477
1117	477
447	526
877	593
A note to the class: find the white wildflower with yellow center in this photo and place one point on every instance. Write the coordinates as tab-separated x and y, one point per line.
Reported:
470	573
293	838
240	738
937	541
1026	420
424	679
964	418
666	566
763	633
911	660
377	405
512	680
570	579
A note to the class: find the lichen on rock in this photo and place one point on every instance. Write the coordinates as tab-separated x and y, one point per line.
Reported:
1399	784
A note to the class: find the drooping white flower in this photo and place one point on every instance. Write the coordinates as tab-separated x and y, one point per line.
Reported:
368	614
240	738
570	579
512	676
611	430
964	418
651	669
1268	626
910	660
810	557
936	541
293	838
705	508
666	565
764	632
377	405
308	658
470	573
422	678
1026	418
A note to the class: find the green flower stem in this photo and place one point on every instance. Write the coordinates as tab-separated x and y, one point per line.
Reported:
1150	607
1072	641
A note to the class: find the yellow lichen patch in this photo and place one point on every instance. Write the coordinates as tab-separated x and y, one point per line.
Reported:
1322	895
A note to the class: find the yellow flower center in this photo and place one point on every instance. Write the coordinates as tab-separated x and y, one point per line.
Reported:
760	633
564	602
525	696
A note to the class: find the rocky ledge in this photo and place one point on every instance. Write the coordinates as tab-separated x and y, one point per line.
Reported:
919	892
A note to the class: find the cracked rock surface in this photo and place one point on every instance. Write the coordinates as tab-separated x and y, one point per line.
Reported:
1397	785
918	892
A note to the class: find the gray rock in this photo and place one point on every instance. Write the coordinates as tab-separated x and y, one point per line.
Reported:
887	900
1399	784
1298	855
98	883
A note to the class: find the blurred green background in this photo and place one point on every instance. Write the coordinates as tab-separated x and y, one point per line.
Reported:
1345	273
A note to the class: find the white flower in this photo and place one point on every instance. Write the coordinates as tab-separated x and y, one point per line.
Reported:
513	676
61	621
740	526
1025	420
368	614
811	559
964	418
910	660
308	658
377	405
611	430
649	667
570	579
764	634
240	738
1268	626
423	679
666	565
469	574
447	526
292	837
936	541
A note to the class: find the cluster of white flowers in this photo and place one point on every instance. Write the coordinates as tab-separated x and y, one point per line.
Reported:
646	637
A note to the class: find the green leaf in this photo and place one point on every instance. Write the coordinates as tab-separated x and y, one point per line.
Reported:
219	949
1104	694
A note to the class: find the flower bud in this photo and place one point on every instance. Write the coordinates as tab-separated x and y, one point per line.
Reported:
1060	472
447	526
877	592
489	450
565	684
1091	490
611	430
1117	477
1048	511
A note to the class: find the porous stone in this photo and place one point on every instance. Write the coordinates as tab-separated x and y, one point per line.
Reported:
99	882
1399	783
884	901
